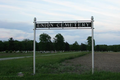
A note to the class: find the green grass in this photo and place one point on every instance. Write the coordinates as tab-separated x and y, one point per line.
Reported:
48	68
66	76
5	55
44	64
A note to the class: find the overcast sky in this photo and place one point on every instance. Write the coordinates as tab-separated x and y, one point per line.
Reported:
16	19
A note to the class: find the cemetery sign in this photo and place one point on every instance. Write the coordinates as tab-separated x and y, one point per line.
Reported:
59	24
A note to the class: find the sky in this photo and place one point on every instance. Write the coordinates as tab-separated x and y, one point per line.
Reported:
16	19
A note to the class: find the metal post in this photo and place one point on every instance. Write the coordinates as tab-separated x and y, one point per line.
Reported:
34	46
92	19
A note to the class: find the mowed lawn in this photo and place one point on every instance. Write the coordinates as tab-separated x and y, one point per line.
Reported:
5	55
48	68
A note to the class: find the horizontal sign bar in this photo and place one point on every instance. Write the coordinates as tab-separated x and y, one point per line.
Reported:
63	24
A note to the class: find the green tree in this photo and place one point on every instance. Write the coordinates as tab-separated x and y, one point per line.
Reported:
6	45
59	42
16	46
97	48
116	48
21	46
44	38
45	42
67	46
89	43
75	46
83	47
1	46
11	44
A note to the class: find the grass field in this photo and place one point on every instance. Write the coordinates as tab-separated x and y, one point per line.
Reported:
5	55
48	68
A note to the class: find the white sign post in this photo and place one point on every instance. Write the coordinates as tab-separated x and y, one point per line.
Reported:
92	20
79	24
34	49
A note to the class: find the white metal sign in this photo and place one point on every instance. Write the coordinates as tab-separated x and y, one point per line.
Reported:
62	24
79	24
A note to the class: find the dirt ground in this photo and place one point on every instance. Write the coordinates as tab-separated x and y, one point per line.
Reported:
104	61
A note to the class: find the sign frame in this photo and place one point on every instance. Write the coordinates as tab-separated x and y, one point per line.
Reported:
47	26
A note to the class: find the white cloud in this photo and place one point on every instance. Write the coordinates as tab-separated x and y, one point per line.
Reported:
16	34
107	38
116	2
105	12
79	7
10	7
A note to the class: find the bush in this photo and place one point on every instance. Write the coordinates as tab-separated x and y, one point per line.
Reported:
10	51
6	51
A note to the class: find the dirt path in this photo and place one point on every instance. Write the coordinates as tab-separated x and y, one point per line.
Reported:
106	61
9	58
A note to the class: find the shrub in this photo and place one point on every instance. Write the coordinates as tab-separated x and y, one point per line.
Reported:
10	51
6	51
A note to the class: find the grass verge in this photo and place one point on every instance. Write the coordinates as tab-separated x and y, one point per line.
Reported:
48	68
6	55
44	64
66	76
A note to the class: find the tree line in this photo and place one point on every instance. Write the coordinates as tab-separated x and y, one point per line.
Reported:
58	44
